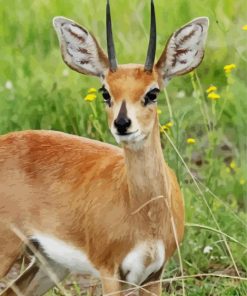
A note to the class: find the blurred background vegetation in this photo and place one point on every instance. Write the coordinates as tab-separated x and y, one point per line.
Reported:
208	129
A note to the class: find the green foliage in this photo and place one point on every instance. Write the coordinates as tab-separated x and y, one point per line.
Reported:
38	92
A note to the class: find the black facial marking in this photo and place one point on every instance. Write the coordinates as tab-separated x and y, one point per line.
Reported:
122	111
106	96
122	122
151	96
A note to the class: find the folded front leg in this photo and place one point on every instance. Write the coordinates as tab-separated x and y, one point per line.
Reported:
111	283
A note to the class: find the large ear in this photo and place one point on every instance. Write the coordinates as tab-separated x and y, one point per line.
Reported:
80	50
184	50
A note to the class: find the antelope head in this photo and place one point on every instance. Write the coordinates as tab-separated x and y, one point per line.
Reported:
130	91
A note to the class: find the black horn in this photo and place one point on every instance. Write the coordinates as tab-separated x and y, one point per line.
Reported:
110	42
152	41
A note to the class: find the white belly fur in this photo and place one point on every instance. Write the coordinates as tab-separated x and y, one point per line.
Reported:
65	254
77	261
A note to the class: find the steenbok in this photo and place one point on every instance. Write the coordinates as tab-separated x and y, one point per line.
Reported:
91	207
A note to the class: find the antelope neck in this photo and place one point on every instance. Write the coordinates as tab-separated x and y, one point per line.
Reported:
146	170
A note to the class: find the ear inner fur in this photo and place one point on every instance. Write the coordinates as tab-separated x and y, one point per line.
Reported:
80	49
184	50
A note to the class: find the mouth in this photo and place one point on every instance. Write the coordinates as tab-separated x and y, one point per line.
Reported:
131	137
126	134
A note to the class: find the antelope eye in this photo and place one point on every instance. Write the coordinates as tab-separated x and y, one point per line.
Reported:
151	96
106	96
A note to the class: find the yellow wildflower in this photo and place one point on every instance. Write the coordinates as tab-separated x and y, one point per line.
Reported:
90	97
244	28
191	141
213	96
233	165
229	68
92	90
169	124
166	126
163	127
211	88
228	170
159	111
242	181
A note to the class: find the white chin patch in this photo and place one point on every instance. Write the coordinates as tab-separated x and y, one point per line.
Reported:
134	141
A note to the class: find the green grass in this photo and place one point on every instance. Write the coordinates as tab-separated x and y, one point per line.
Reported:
38	92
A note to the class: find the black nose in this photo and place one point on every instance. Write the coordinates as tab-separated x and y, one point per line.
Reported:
122	124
